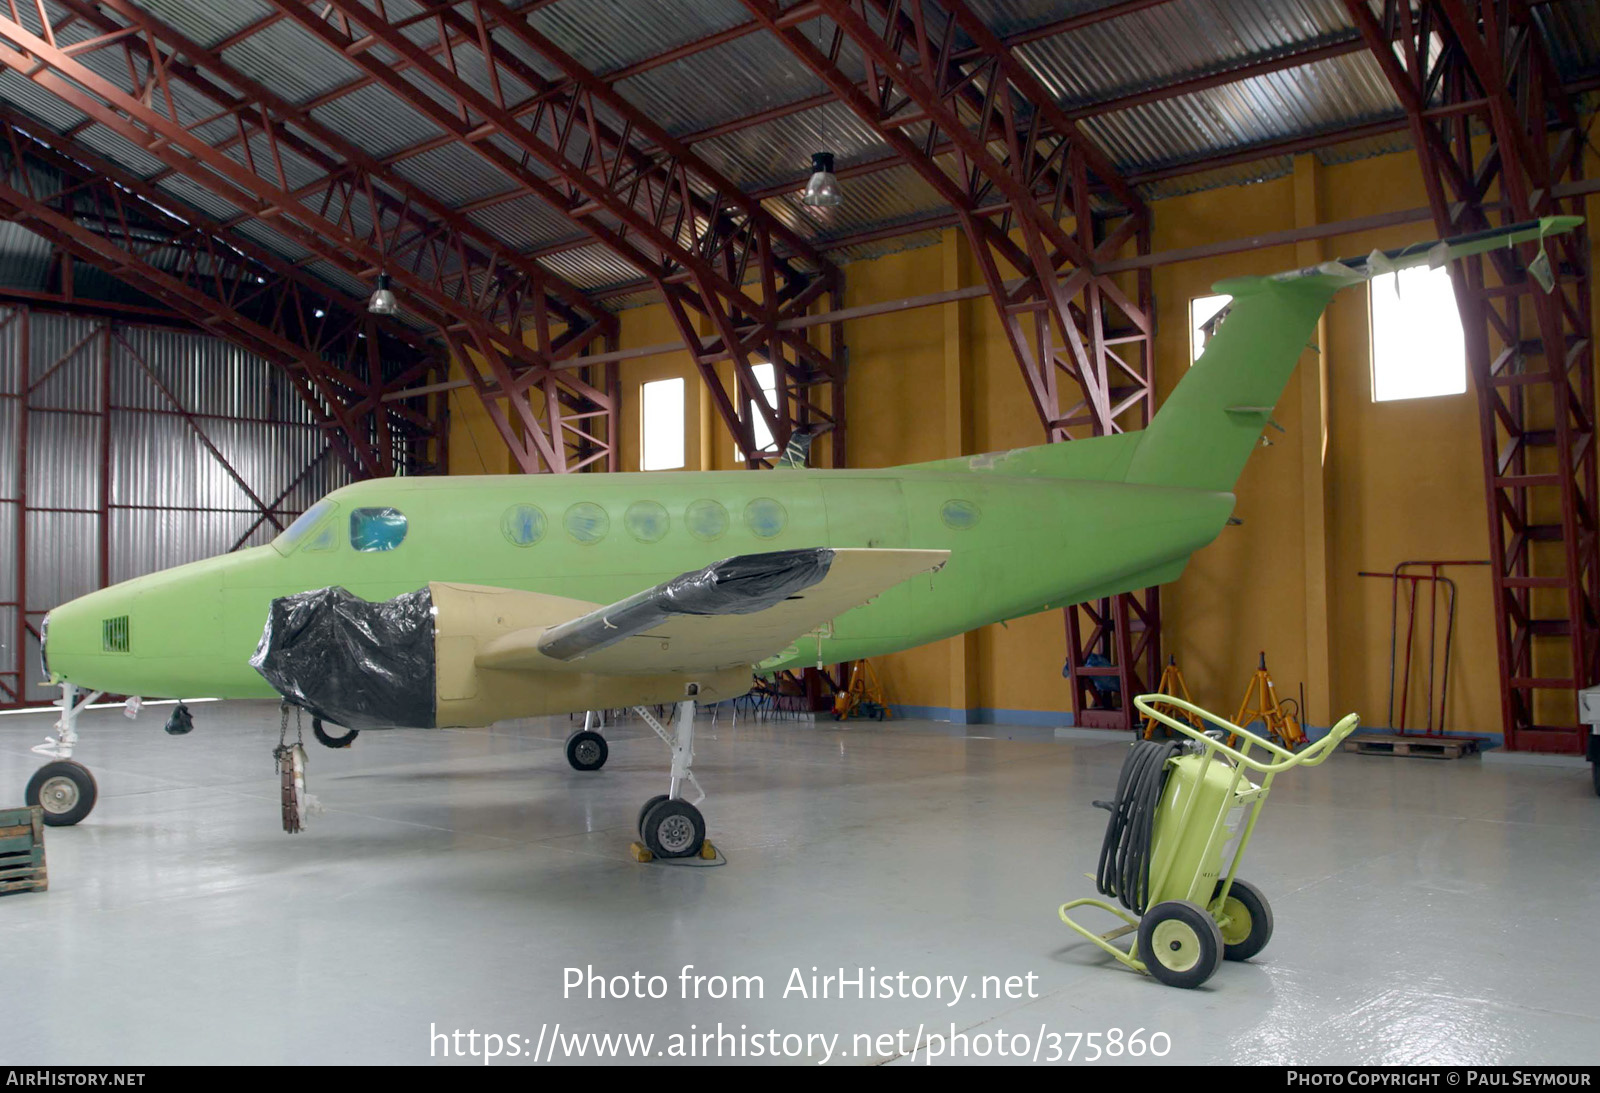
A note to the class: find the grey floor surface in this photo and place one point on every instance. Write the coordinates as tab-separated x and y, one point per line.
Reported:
1427	911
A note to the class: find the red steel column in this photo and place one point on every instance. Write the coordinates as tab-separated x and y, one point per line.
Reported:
1487	112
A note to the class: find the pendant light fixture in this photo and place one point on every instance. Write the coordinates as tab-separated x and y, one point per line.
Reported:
383	301
822	190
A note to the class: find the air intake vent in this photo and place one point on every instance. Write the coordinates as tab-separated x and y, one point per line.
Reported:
114	634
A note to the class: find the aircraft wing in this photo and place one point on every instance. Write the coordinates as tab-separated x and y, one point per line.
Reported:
737	611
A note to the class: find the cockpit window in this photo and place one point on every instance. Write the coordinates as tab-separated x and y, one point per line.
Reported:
377	529
292	535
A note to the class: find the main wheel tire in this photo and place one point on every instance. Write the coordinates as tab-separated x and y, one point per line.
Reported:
1249	921
645	811
587	750
65	790
673	829
1179	943
1594	772
328	740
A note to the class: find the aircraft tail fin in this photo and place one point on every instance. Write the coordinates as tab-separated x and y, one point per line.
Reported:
1205	430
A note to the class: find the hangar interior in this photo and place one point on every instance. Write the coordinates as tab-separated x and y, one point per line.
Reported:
257	250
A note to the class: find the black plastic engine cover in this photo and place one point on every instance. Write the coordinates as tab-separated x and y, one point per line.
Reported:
350	661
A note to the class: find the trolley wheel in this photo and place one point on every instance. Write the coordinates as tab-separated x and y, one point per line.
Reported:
1249	921
65	790
645	811
1179	943
673	828
587	750
328	740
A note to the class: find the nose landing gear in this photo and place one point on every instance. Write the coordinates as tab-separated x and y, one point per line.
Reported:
64	789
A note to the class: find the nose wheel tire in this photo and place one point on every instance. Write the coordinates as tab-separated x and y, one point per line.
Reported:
1248	921
587	750
1180	943
673	828
65	790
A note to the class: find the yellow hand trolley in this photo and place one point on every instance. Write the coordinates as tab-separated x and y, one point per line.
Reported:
1178	805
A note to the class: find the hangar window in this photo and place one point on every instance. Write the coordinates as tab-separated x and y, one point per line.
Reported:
767	380
373	530
1418	347
1204	316
661	425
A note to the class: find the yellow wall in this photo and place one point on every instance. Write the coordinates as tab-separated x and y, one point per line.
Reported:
1387	482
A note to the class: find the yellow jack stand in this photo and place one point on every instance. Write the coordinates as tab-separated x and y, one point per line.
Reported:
1279	722
863	696
1173	686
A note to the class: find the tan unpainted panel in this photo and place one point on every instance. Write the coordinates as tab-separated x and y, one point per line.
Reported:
683	643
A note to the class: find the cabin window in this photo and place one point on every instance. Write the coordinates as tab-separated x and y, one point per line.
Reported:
661	425
767	380
1203	322
292	535
523	525
586	523
1419	349
376	530
647	521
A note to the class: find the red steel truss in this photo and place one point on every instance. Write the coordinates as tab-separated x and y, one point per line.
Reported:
339	359
938	78
105	348
359	215
1496	135
580	147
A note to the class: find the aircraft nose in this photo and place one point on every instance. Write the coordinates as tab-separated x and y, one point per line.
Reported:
79	636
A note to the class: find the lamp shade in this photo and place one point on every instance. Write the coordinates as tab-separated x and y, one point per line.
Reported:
822	189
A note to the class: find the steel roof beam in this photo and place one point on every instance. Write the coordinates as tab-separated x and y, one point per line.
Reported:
224	285
930	89
500	312
665	213
374	192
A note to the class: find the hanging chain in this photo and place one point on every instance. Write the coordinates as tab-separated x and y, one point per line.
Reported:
280	754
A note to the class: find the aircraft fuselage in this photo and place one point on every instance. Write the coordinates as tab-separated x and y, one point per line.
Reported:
1019	544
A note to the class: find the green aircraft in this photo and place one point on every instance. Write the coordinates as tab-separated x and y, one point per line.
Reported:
426	602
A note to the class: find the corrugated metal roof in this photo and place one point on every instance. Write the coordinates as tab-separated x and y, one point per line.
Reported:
753	72
1308	99
607	37
761	155
733	80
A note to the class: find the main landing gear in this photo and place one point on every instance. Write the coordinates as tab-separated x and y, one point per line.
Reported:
63	788
669	825
587	750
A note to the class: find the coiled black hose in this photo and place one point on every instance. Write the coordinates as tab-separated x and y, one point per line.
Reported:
1125	854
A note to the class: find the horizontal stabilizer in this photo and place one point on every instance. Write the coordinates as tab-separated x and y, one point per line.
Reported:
1434	253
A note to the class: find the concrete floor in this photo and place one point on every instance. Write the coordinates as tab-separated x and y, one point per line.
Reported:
1426	911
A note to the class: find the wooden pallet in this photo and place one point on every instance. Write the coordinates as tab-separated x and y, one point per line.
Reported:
22	866
1416	747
